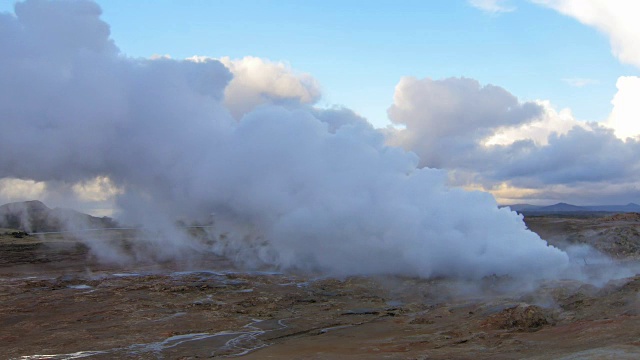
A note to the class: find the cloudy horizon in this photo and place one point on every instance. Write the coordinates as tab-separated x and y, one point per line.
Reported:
481	133
288	183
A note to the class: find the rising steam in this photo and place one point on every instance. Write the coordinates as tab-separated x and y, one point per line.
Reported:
289	185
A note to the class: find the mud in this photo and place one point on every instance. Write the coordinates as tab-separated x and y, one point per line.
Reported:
60	302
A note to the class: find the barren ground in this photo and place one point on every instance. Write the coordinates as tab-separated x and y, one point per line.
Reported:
58	300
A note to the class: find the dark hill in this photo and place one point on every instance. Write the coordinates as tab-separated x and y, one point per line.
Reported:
560	207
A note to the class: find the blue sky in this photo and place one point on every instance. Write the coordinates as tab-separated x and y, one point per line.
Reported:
358	51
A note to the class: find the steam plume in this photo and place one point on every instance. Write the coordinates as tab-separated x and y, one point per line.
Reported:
290	185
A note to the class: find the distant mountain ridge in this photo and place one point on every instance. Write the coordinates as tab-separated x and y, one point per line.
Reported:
34	216
564	207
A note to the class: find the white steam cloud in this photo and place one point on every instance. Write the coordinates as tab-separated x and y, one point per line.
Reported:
290	186
256	82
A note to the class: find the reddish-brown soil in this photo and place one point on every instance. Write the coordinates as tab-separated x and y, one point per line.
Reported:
57	300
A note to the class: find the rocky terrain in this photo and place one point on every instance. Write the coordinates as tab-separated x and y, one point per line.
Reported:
60	302
616	235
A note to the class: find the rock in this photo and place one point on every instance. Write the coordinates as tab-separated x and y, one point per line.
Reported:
522	317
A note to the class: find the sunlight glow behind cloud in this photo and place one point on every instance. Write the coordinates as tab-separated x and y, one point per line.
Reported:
539	130
12	189
625	116
259	81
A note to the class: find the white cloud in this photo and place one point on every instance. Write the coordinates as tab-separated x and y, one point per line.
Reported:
95	197
489	140
446	121
101	188
548	123
618	19
12	189
492	6
625	116
258	81
580	82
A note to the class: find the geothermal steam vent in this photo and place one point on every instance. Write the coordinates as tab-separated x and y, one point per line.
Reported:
292	185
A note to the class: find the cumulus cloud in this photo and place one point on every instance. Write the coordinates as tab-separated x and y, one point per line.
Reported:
489	140
539	130
492	6
625	116
609	153
94	197
445	121
100	188
579	156
258	81
290	186
586	165
12	189
616	18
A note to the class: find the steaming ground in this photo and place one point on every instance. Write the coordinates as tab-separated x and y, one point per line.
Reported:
60	301
276	184
292	186
599	249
